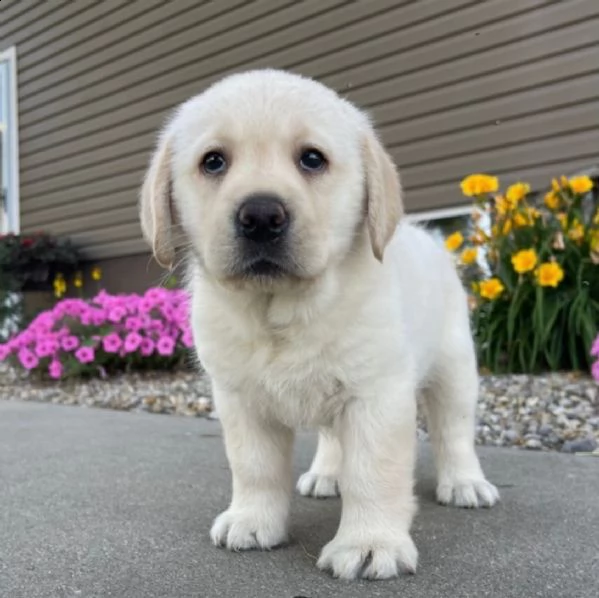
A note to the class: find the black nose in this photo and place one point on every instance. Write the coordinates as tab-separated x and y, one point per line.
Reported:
262	218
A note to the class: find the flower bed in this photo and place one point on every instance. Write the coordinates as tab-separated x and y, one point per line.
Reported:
104	335
534	274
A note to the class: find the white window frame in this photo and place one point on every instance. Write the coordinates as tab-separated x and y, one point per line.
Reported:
11	220
439	214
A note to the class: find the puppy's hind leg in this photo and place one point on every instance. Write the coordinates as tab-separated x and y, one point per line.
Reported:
320	481
450	403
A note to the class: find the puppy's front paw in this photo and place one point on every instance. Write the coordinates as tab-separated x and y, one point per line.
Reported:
382	559
244	530
468	493
318	486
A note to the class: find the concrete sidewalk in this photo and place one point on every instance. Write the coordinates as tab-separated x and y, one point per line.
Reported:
105	504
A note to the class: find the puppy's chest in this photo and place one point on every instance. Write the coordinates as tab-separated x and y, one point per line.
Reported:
298	381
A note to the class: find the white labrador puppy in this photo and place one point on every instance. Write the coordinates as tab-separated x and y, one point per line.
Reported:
315	305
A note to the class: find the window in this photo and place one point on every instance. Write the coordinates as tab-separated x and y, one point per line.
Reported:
441	223
9	145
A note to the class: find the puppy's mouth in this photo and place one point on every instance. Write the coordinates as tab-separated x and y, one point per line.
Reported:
264	268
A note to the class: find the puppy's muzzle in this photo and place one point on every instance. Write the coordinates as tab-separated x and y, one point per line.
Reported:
262	219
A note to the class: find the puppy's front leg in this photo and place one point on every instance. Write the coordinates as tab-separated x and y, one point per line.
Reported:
377	433
259	454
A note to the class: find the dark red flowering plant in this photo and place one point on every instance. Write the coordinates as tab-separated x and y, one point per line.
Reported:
30	262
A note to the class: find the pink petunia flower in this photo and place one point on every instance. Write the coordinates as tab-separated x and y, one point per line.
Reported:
69	343
26	338
132	342
86	317
168	311
155	294
112	342
85	354
46	347
28	359
165	346
98	317
133	324
595	370
145	306
116	313
595	348
147	347
155	325
55	369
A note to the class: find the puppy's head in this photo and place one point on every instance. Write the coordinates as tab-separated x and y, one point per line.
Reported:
270	176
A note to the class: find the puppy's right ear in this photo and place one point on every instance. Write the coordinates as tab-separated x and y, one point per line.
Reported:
156	203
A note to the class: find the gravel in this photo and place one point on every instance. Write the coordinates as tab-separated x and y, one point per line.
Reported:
558	412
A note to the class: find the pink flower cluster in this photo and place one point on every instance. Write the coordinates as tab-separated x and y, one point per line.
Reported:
595	353
78	332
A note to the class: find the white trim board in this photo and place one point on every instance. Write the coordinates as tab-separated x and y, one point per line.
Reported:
11	132
439	214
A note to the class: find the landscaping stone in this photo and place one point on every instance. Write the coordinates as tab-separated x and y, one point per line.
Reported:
547	412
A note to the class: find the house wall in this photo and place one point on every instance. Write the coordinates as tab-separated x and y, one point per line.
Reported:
455	87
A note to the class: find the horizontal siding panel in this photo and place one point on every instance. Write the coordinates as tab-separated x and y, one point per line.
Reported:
113	249
465	69
115	232
477	27
477	32
51	19
105	203
563	68
174	25
523	155
122	22
93	220
503	135
10	9
411	125
99	189
80	162
89	177
147	68
539	177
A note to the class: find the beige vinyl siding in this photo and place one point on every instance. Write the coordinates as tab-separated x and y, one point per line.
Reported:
455	86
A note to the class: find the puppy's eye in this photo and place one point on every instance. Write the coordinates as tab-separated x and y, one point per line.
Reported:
311	160
214	163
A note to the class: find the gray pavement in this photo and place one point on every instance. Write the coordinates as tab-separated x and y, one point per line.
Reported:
104	504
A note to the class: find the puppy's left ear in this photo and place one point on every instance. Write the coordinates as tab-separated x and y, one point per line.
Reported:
384	203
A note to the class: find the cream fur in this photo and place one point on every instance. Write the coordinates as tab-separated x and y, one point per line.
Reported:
373	317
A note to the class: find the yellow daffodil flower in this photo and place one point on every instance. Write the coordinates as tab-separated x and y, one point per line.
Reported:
479	184
549	274
581	184
454	241
517	192
491	288
468	256
524	260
